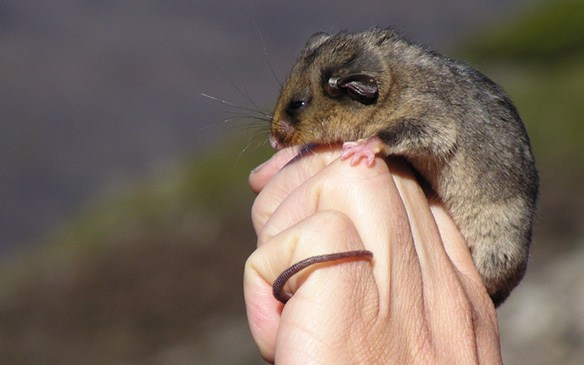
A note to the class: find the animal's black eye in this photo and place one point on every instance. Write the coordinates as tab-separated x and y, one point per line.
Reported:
296	106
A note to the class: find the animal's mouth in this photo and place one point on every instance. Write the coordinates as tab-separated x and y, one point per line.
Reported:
281	134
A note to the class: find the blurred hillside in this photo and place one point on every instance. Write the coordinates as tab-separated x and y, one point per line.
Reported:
539	59
151	274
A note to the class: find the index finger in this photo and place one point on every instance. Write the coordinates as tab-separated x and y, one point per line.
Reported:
260	176
275	182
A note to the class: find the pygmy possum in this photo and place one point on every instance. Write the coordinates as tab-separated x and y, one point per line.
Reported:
380	94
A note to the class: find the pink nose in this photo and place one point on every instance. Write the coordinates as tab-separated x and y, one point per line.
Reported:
275	144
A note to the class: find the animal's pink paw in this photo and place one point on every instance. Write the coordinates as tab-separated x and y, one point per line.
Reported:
363	149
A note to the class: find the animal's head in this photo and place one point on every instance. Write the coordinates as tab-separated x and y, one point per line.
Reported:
332	90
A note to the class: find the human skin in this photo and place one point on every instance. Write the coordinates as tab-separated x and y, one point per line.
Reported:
420	300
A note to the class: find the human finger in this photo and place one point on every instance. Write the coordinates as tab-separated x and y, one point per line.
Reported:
484	314
324	287
369	197
259	176
279	180
444	286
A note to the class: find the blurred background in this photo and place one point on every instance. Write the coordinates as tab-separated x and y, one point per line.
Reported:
124	211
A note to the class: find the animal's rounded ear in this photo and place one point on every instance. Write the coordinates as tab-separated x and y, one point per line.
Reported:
360	87
316	40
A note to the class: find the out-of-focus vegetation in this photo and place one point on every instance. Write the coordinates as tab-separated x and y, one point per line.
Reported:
152	274
552	31
539	59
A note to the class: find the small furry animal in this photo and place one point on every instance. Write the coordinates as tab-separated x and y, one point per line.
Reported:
382	94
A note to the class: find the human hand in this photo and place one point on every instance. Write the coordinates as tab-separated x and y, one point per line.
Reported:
420	301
